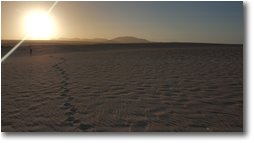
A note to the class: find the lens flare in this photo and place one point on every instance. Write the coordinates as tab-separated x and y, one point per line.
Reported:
25	37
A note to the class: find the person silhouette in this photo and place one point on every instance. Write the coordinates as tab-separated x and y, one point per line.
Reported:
31	51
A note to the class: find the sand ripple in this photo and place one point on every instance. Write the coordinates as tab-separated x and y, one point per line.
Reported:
128	89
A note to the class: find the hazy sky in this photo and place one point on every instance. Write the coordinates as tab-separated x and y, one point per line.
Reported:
217	22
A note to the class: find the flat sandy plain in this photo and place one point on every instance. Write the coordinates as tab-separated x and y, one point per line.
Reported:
123	87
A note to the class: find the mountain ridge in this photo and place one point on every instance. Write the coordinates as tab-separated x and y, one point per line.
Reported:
120	39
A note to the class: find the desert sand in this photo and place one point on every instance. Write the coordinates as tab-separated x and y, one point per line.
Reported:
123	87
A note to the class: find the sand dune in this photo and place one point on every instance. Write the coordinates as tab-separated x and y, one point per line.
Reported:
123	88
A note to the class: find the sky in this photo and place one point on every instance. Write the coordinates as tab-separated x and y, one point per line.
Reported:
206	22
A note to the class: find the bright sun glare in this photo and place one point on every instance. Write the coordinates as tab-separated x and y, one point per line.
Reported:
39	25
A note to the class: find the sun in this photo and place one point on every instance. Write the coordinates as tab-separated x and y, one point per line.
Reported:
39	25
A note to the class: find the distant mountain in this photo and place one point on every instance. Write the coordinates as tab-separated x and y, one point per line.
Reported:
95	40
127	39
68	39
124	39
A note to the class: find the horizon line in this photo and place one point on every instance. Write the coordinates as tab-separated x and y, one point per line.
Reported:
151	42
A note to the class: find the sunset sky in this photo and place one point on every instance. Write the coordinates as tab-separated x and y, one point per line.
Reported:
216	22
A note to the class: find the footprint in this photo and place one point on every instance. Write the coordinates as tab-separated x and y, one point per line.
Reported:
62	72
139	126
63	94
70	119
67	104
85	127
74	109
69	113
70	109
76	121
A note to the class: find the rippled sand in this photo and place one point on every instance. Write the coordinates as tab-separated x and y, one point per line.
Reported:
123	88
